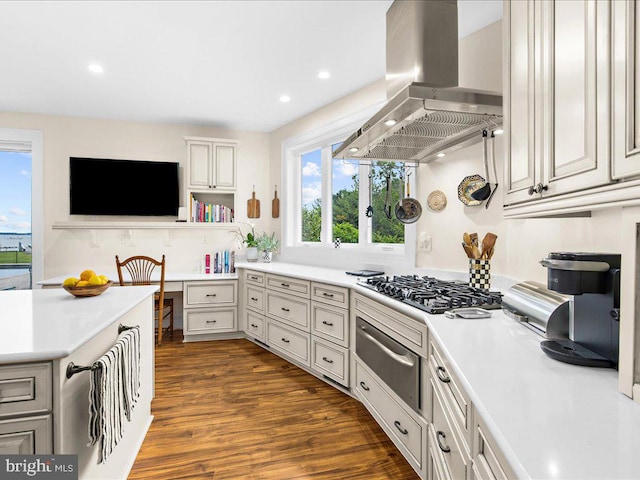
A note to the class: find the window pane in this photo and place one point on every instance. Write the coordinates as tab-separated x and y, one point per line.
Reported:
311	200
345	191
386	230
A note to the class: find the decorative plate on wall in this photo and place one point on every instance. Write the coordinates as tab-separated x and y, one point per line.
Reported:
437	200
467	186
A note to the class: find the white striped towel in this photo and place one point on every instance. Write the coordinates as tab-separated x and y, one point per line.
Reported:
113	392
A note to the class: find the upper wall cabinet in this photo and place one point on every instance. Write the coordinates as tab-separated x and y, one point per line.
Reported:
557	97
211	164
626	88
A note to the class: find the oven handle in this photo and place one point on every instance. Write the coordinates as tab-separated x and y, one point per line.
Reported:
398	358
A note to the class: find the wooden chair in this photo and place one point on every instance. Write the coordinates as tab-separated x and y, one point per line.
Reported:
140	268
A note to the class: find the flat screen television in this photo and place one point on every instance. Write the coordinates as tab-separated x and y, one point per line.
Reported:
100	186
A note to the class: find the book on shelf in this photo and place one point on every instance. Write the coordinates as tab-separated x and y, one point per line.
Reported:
221	262
202	212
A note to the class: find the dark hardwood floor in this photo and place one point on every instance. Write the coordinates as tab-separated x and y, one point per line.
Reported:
231	410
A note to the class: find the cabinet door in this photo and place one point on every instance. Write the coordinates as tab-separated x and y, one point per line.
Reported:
211	320
573	125
626	85
199	156
26	436
225	166
520	163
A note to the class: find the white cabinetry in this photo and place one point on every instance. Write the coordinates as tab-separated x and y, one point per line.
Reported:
626	88
209	308
559	98
254	322
26	424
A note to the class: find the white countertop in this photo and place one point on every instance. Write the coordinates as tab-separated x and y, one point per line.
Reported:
155	277
550	419
47	324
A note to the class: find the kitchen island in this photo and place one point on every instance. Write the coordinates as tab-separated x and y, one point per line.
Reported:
45	330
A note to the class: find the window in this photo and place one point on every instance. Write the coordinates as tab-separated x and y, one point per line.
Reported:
331	199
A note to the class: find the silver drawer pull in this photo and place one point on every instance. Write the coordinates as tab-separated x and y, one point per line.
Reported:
403	431
254	325
444	448
211	321
330	295
284	340
364	386
285	285
211	295
284	309
328	324
328	360
442	375
254	299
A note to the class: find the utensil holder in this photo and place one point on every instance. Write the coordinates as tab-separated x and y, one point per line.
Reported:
479	273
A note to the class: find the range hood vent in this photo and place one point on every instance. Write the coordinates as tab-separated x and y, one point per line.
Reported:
427	115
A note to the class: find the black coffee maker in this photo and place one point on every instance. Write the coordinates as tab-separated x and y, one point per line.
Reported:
594	319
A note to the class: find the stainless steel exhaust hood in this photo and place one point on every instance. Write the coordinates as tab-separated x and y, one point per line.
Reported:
427	115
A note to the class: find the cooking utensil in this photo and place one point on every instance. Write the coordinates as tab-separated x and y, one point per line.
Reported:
253	205
410	210
387	198
467	186
275	204
484	191
488	243
369	211
467	250
493	166
474	238
399	209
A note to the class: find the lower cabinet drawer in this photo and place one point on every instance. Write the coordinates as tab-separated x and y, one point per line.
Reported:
446	439
436	469
254	297
291	310
210	293
214	320
254	325
25	389
407	431
291	342
330	322
26	436
330	360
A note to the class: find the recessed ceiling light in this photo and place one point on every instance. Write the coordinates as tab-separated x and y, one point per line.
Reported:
95	68
324	75
285	98
390	123
441	154
499	131
354	149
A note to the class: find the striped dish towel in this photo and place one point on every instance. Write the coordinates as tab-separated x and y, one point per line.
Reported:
113	392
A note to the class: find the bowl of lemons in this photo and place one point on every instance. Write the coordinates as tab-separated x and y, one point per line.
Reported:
89	284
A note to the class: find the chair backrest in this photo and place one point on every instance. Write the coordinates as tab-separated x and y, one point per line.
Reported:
140	268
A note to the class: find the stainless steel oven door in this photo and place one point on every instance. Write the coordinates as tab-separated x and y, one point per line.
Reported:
392	362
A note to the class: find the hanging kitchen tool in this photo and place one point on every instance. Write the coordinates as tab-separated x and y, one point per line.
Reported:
275	204
399	210
253	205
369	211
483	192
437	200
387	198
493	167
409	210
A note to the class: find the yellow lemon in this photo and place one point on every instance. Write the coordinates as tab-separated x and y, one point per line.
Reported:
86	275
104	279
95	280
82	283
70	282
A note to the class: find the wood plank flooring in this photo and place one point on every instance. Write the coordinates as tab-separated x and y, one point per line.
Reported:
231	410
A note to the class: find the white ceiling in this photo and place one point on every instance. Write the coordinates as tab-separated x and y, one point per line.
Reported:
217	63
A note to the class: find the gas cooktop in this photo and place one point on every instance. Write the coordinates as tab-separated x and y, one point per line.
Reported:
432	295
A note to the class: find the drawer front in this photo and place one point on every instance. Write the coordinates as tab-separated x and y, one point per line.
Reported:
255	298
26	436
330	360
408	331
289	341
453	394
25	389
398	423
291	310
488	461
447	441
203	294
330	323
254	325
331	294
256	278
294	286
214	320
436	469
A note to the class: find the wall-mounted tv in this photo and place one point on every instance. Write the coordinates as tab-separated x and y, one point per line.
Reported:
100	186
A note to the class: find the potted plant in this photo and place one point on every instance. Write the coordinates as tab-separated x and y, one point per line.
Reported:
267	244
251	242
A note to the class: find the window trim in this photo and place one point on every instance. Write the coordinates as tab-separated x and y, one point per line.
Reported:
292	249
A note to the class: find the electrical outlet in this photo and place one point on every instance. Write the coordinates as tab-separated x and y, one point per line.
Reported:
205	239
424	242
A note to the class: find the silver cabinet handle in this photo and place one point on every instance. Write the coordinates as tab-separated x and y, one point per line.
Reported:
285	340
385	349
403	431
328	360
444	448
328	324
442	375
364	386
